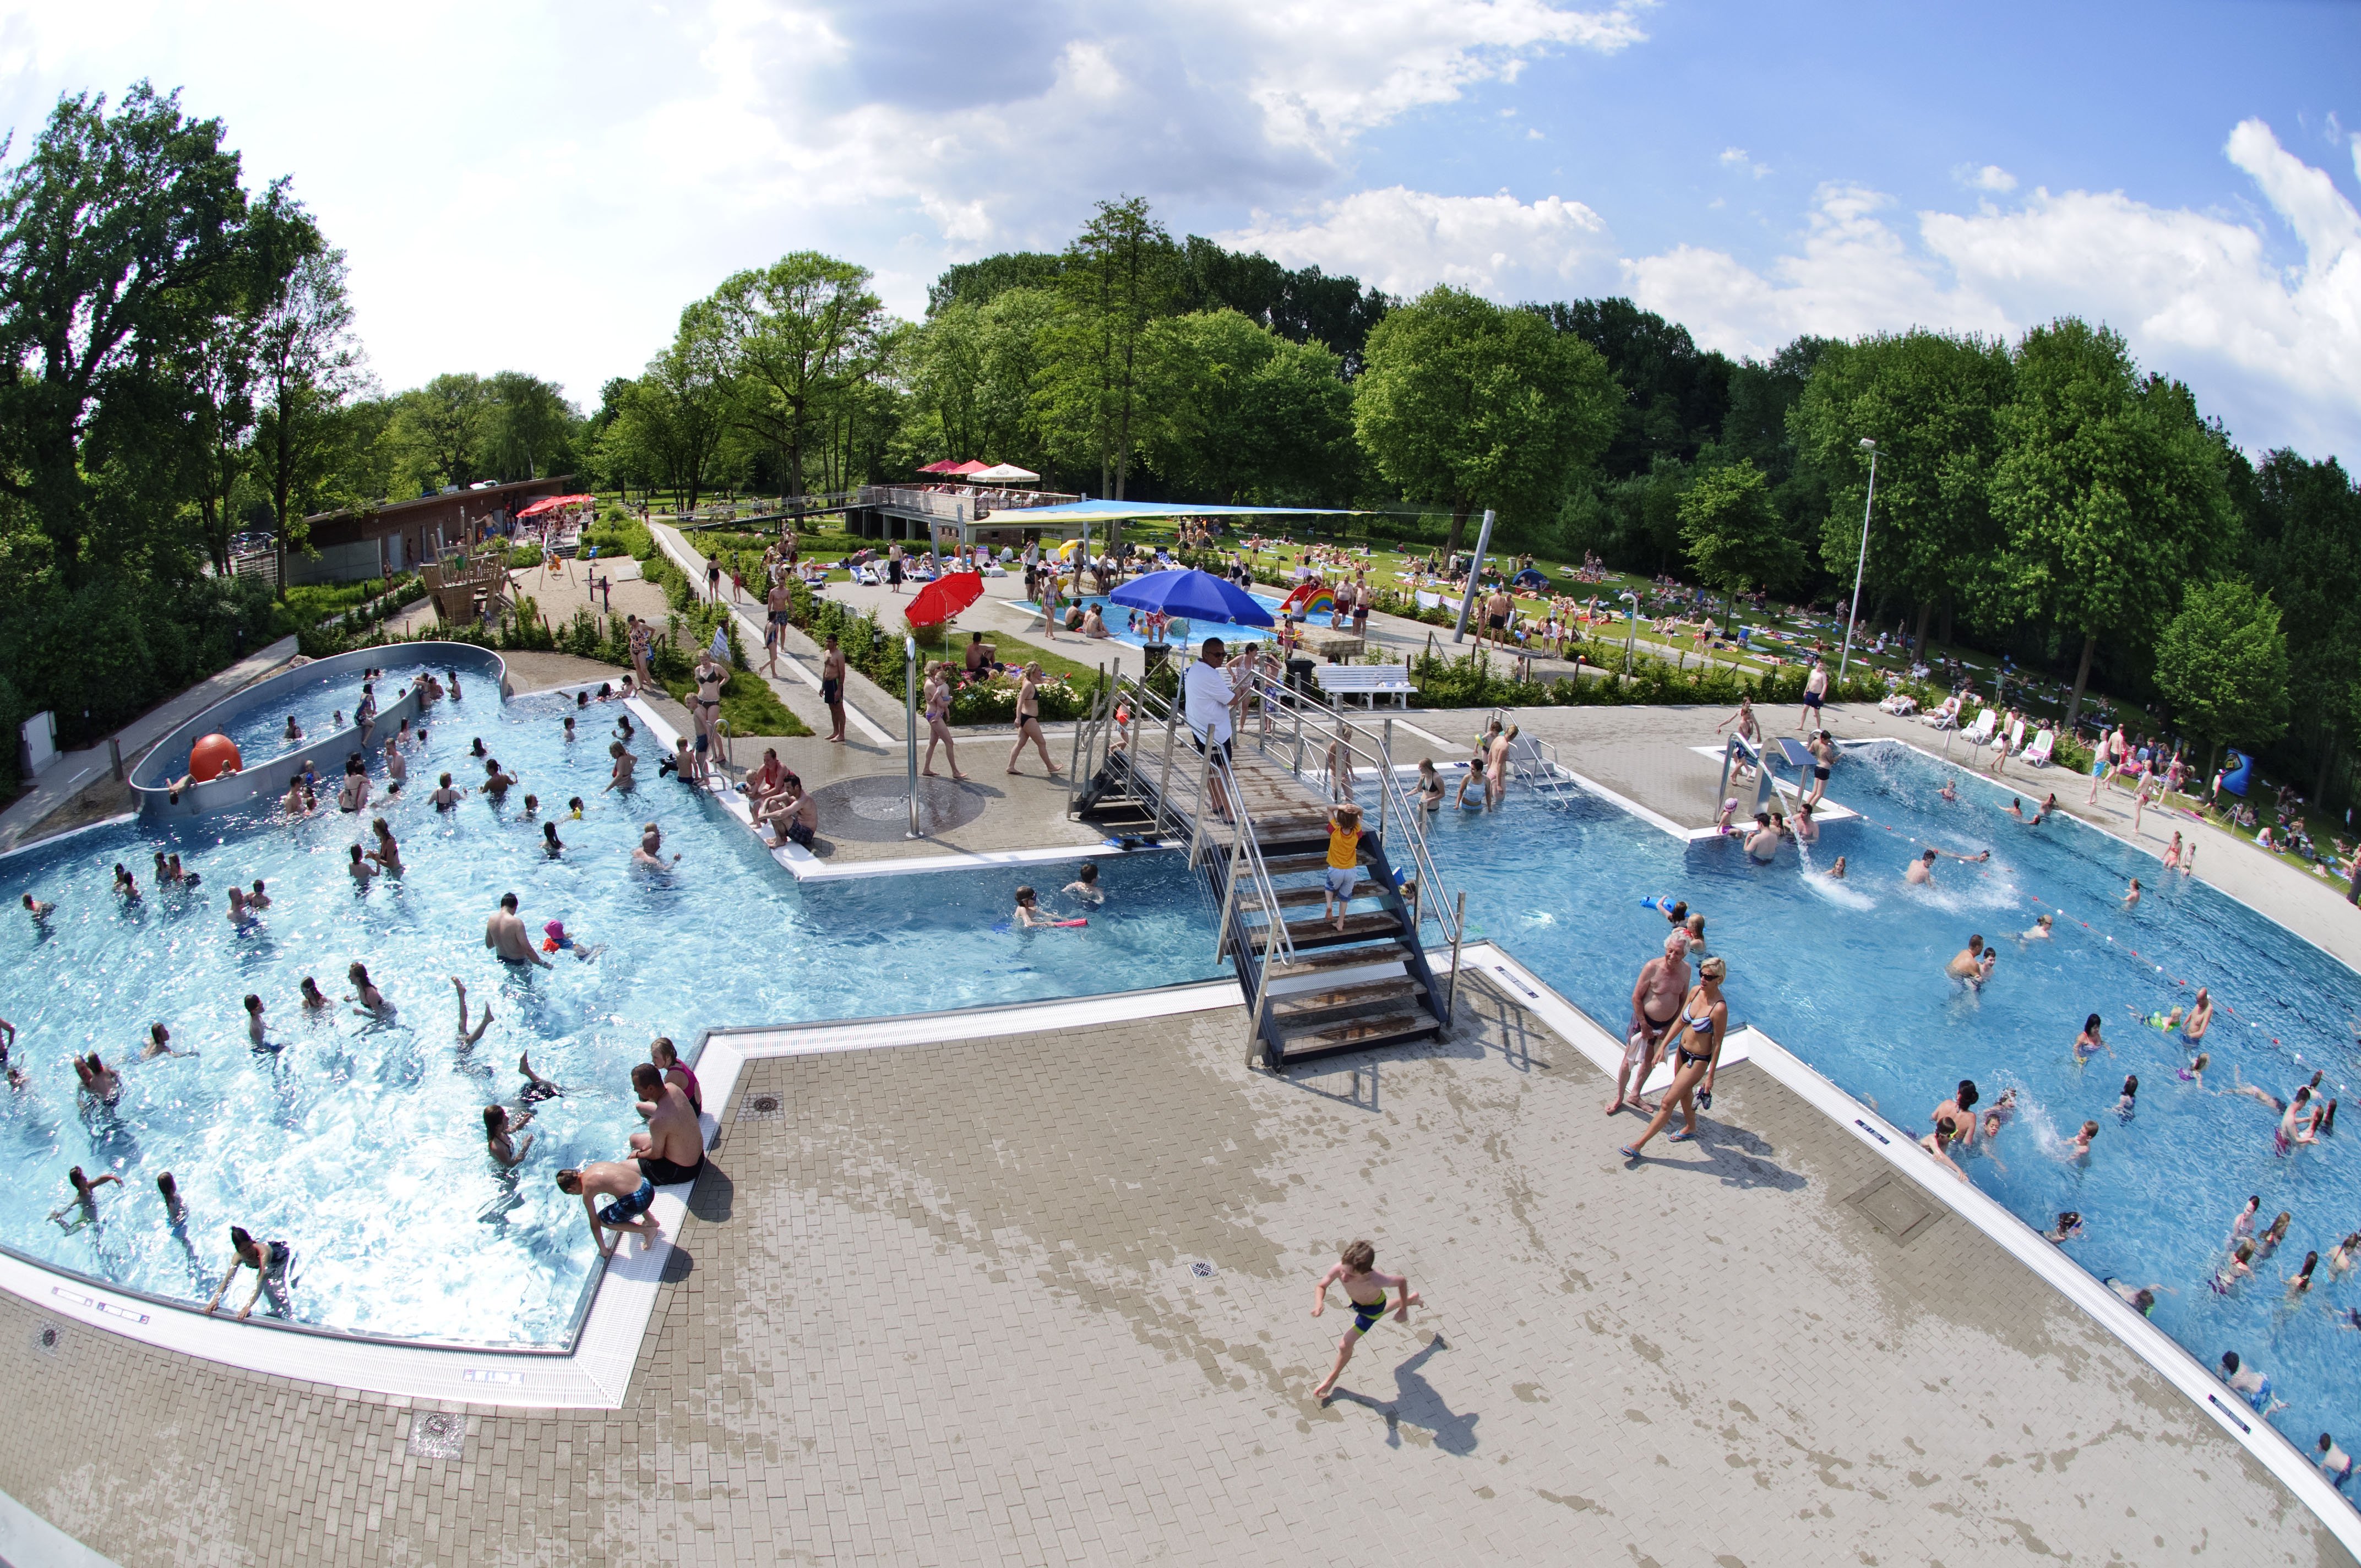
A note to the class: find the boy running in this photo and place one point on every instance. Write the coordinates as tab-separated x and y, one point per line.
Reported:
1356	1269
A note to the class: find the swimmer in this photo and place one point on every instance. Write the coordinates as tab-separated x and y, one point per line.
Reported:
2078	1148
1356	1269
295	801
2237	1266
254	1025
1956	1109
476	749
1084	888
2254	1385
2129	1104
555	938
314	999
551	844
293	731
444	796
504	933
497	1126
651	850
2200	1019
257	896
2342	1257
467	1037
1949	791
241	917
1968	962
2172	852
2242	1226
495	782
1430	786
367	999
38	910
620	779
397	771
176	1211
2141	1297
536	1088
387	854
2133	897
2040	932
2195	1071
2285	1136
2269	1242
2240	1086
360	868
2168	1022
2088	1043
125	883
1029	912
574	807
2017	808
2300	1282
85	1198
631	1195
1945	1131
1836	873
570	736
268	1259
2334	1463
531	807
2069	1228
1921	869
160	1044
1762	843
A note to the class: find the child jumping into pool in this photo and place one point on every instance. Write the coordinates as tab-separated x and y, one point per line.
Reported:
1356	1269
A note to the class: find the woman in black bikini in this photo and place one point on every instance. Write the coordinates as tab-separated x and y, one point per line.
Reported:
707	703
1028	720
1696	1050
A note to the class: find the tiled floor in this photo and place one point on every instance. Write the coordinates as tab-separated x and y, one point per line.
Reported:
949	1310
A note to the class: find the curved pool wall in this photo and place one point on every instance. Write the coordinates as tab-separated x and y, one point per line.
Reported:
151	777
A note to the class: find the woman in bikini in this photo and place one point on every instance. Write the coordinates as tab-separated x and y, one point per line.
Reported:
1696	1051
706	704
1028	720
938	719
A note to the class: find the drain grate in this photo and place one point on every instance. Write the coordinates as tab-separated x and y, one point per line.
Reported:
1202	1270
47	1338
1897	1208
762	1108
437	1434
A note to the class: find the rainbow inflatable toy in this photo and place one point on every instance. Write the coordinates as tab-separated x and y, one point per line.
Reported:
1309	599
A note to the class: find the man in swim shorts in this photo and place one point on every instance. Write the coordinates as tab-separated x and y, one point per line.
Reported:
832	666
505	934
672	1149
631	1195
1655	1004
1815	687
1968	962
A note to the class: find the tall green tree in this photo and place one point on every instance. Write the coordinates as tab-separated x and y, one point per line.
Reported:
1675	395
1734	535
1118	278
1932	403
1243	414
2110	490
438	429
307	362
2303	526
120	236
793	339
1464	405
529	428
2223	662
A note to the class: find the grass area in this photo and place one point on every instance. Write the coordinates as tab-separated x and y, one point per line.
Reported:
949	642
748	705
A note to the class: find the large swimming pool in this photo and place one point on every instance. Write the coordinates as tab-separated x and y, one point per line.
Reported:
1118	620
1850	977
361	1143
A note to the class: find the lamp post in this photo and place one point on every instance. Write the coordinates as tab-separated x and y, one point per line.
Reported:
1853	618
910	724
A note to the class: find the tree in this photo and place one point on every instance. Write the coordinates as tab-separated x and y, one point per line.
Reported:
1117	277
978	283
2109	489
528	428
306	363
1932	404
438	427
790	340
1244	414
119	235
1675	395
2223	662
2303	524
1466	405
1733	535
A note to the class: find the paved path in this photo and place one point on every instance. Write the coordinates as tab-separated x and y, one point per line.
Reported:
947	1310
72	770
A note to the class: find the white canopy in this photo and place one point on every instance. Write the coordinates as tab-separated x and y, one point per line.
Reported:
1004	474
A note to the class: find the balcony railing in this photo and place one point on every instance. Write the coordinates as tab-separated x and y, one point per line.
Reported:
967	503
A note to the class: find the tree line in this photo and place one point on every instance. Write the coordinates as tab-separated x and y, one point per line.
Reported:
183	374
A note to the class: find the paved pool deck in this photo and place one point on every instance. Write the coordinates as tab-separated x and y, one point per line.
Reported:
1043	1298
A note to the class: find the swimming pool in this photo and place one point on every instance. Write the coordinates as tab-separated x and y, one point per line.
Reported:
315	702
1117	616
1849	976
362	1143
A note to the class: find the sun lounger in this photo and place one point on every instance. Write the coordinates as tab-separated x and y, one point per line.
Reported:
1944	718
2037	754
1982	731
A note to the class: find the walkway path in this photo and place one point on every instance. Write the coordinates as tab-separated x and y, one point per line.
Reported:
74	770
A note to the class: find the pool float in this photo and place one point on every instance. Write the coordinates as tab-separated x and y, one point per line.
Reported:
1006	926
213	756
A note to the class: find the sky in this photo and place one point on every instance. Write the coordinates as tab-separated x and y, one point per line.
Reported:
542	187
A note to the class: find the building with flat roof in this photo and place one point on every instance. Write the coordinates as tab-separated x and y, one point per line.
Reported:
400	536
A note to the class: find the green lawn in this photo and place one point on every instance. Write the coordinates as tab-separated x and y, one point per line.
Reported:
748	705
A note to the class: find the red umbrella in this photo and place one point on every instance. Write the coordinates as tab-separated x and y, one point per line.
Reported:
551	503
969	467
945	466
944	598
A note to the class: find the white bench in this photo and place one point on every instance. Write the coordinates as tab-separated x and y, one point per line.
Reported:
1369	681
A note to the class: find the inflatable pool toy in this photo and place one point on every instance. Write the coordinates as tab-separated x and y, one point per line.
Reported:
1008	926
1310	598
213	756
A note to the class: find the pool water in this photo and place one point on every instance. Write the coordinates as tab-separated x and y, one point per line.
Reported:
1850	977
261	733
1118	617
362	1143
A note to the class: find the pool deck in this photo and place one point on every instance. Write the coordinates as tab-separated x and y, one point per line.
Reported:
945	1308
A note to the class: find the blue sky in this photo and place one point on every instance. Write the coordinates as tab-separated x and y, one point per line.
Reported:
541	187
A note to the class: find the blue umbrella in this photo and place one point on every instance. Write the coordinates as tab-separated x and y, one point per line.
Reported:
1192	595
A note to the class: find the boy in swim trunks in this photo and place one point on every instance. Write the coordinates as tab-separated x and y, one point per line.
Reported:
631	1192
1356	1269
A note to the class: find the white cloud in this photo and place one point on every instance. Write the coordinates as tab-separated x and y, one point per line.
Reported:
1991	177
1736	157
1404	241
2276	352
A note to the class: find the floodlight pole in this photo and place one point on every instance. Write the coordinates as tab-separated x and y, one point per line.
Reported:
1467	600
1853	618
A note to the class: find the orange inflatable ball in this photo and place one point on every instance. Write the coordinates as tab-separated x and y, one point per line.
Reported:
213	756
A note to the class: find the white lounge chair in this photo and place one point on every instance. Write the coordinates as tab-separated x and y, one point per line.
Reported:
1946	716
1981	732
2037	754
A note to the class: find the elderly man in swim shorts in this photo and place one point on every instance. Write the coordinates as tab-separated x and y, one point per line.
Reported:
1655	1005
